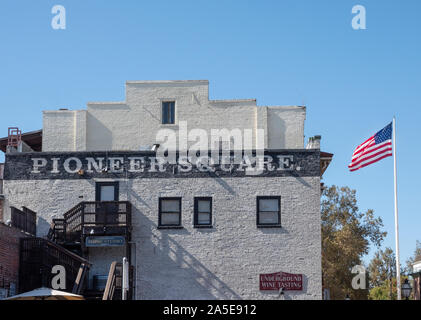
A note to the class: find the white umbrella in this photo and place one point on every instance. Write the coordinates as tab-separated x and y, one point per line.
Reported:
46	294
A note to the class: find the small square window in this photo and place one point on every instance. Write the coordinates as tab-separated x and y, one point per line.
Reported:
202	212
268	211
168	112
169	212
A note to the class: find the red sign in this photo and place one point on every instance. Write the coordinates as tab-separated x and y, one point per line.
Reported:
275	281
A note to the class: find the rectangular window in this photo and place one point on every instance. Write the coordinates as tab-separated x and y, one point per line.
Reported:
202	212
268	211
168	112
107	191
169	212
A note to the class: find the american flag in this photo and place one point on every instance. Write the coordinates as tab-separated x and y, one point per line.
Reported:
373	149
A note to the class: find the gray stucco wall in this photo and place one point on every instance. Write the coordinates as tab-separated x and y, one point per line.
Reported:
219	263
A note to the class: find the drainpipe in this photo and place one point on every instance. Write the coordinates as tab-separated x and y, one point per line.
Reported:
125	284
135	269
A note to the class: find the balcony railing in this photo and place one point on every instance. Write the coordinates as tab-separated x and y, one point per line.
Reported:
94	218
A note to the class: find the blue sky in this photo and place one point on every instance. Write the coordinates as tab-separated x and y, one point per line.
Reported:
279	52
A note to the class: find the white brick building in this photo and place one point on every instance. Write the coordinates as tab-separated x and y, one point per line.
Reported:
195	234
134	123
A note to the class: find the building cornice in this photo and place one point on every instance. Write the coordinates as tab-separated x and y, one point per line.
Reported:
175	82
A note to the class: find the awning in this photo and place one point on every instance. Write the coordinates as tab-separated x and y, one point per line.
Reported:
46	294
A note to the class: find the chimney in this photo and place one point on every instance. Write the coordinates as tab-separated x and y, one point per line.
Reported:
314	142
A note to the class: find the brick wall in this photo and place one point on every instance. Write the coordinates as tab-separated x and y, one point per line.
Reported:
9	256
1	191
100	127
219	263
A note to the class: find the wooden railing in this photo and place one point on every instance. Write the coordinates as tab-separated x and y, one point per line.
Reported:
113	288
37	258
79	284
25	220
92	218
97	218
114	282
73	223
57	231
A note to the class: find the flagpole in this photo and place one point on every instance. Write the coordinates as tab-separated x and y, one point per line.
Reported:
398	268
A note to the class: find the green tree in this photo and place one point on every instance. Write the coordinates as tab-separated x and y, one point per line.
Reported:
382	267
346	237
382	292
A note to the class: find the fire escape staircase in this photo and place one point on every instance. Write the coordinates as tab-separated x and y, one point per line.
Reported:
90	219
65	245
38	256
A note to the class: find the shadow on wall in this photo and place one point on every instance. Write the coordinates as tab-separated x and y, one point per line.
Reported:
98	135
42	227
130	193
278	131
302	181
224	185
181	276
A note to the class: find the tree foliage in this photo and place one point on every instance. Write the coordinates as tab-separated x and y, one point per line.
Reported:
346	237
382	267
415	257
386	291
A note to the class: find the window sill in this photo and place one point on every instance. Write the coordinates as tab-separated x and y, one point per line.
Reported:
170	227
169	125
201	226
269	226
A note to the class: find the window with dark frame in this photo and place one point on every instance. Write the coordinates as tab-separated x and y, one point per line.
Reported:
168	112
169	212
107	191
268	211
202	212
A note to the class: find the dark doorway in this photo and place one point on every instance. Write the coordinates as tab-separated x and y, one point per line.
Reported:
107	193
